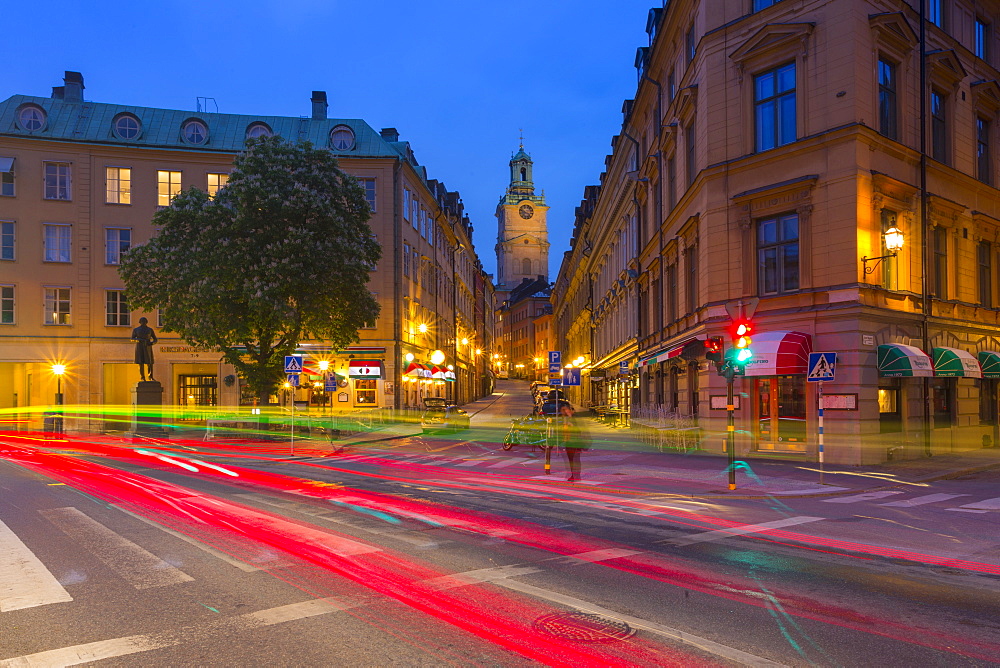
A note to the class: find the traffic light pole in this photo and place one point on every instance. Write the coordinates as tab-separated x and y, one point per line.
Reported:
731	427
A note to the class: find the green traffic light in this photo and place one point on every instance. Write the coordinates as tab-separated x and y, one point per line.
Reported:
743	355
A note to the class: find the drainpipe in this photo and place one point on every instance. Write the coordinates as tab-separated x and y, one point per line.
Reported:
397	288
925	263
638	241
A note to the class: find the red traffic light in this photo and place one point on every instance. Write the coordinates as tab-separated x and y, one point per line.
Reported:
741	332
713	349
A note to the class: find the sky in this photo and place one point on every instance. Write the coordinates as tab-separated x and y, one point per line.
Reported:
460	80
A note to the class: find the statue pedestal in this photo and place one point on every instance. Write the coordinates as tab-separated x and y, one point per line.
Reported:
147	409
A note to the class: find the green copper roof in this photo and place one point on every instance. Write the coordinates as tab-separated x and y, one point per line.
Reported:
161	128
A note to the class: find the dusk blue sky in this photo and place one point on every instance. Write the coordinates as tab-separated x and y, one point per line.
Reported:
456	78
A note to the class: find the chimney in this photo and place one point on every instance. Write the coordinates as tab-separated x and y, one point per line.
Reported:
389	134
72	87
319	105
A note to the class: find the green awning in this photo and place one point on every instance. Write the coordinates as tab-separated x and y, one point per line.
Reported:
989	361
896	360
955	363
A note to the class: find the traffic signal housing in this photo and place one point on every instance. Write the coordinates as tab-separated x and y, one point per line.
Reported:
714	349
741	332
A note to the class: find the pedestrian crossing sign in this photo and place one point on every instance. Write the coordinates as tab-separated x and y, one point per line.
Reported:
822	366
293	364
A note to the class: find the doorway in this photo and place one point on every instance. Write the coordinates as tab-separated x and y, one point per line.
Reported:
781	414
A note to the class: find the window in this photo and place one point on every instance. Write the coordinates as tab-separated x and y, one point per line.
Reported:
689	148
689	44
258	130
987	401
57	306
216	182
887	99
423	222
406	259
691	260
415	213
939	247
369	188
119	185
116	309
774	105
406	203
939	128
889	415
57	240
117	240
31	118
935	12
127	126
342	138
6	304
763	4
671	297
943	402
671	87
57	180
984	260
194	132
168	186
671	183
7	177
6	240
526	267
778	254
983	35
364	391
888	263
983	157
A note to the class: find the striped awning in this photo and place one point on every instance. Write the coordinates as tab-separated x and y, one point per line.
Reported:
989	362
896	360
414	370
955	363
666	353
779	354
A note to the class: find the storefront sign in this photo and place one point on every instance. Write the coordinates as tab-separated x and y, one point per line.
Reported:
365	369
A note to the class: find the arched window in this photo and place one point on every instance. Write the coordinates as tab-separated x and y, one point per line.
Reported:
525	266
524	174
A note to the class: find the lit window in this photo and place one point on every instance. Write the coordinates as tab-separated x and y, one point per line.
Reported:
258	130
6	304
216	182
57	180
57	306
119	185
116	309
31	118
127	126
7	240
195	132
342	138
168	186
117	240
778	254
369	187
57	240
774	104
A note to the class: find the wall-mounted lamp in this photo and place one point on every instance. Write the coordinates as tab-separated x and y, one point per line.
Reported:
893	242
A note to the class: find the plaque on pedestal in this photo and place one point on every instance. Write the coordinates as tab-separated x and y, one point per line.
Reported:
147	409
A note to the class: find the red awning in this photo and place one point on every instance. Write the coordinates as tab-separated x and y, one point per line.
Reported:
779	354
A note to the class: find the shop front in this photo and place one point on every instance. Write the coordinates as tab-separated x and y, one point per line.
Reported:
778	391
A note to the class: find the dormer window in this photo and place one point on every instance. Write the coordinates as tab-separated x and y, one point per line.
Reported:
342	138
127	126
31	118
258	130
195	132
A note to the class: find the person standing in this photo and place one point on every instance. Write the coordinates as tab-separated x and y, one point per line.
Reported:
575	440
144	338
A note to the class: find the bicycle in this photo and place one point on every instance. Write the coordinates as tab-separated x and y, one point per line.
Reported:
529	430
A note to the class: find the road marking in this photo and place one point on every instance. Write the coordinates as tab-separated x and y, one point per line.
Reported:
508	462
921	500
473	462
24	580
979	506
867	496
704	644
478	576
107	649
598	555
139	568
741	530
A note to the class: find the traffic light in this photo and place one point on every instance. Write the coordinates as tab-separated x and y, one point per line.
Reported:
741	332
713	349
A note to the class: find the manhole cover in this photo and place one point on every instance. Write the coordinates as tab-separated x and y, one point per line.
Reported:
583	627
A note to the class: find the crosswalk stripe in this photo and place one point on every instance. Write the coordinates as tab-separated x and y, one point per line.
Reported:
507	462
719	534
921	500
867	496
24	580
473	462
139	568
980	506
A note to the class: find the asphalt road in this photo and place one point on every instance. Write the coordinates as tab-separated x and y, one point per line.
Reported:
386	555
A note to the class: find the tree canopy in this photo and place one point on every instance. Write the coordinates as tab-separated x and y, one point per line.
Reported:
281	254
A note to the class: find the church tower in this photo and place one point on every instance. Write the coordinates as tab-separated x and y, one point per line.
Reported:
523	238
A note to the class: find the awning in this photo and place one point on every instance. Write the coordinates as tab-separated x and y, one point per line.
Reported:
365	369
955	363
667	353
414	370
449	375
898	361
779	354
6	164
989	361
437	373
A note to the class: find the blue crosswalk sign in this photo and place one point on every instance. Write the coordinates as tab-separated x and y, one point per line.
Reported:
293	364
822	366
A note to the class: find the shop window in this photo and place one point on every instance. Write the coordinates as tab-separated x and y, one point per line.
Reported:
364	391
987	400
889	413
781	413
197	391
943	403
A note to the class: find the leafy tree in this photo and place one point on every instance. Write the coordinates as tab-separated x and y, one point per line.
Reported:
281	254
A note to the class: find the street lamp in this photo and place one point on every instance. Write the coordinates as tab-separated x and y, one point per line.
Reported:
58	370
893	242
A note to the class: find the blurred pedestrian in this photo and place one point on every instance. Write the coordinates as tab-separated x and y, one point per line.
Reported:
575	440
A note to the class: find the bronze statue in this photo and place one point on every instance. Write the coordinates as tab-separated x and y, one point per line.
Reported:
144	338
